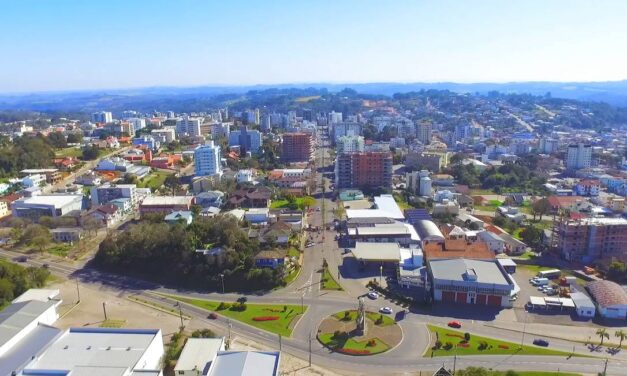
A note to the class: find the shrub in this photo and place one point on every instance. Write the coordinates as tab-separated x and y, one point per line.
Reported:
347	316
467	336
371	343
501	346
437	345
265	318
379	320
483	345
448	346
222	306
284	308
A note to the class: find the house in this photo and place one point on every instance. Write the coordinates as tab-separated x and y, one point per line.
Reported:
513	246
197	356
179	217
66	234
278	231
295	218
270	258
587	188
258	197
65	164
466	220
210	198
107	215
495	243
257	215
165	204
511	213
89	179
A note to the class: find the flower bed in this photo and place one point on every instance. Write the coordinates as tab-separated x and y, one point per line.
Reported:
463	344
265	318
355	351
501	346
455	335
272	310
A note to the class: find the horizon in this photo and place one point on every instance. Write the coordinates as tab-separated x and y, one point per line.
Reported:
69	45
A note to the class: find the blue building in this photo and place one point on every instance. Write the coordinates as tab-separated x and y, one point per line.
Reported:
248	140
147	141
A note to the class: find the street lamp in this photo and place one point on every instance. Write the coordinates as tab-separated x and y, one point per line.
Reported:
222	279
180	314
381	275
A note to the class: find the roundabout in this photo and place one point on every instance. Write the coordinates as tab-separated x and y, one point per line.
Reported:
342	333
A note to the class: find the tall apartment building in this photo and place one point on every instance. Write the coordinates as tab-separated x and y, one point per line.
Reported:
248	140
346	129
188	126
590	239
424	132
207	160
335	117
297	147
102	117
165	135
350	144
364	170
578	156
220	130
137	123
107	193
548	145
266	123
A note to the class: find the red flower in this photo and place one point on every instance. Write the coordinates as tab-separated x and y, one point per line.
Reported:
503	347
265	318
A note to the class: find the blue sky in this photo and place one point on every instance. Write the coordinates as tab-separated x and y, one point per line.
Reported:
94	44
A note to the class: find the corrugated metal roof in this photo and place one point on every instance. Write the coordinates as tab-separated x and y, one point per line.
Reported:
245	363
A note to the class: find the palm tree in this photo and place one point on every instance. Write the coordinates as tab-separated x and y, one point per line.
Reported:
621	334
602	332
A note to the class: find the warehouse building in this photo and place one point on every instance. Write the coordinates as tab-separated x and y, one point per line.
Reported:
610	298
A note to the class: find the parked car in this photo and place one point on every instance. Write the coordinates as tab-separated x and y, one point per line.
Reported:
373	295
45	266
347	250
21	259
541	342
212	316
455	324
386	310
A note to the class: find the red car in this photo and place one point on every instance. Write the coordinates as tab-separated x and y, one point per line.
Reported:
455	324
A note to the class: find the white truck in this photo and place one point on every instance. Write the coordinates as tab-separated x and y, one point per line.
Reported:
550	274
540	281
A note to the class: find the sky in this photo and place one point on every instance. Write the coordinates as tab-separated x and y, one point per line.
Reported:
49	45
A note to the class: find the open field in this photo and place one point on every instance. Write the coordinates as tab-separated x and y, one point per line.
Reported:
306	99
256	315
154	180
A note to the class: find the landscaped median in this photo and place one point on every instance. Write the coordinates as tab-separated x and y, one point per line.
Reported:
328	282
274	318
448	342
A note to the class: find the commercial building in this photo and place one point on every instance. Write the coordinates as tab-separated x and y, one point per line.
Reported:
245	363
197	356
419	183
53	175
247	140
350	144
165	135
548	145
364	170
610	297
460	280
432	161
188	126
590	239
297	147
207	160
137	123
221	130
46	205
102	117
578	156
107	193
165	204
424	132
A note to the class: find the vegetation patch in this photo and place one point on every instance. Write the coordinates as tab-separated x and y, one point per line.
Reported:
341	343
449	342
328	282
252	314
112	323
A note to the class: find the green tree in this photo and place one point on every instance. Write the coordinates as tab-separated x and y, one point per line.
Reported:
308	202
74	138
173	183
603	334
621	335
540	207
617	271
36	236
57	140
531	235
90	152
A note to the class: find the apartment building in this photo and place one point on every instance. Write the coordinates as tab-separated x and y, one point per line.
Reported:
207	160
297	147
364	170
589	239
578	156
188	126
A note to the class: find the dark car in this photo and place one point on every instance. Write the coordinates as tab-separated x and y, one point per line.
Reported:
21	259
540	342
212	316
45	266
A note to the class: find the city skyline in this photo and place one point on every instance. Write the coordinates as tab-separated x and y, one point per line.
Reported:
69	45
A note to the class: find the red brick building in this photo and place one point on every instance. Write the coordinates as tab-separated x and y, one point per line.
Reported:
297	147
364	170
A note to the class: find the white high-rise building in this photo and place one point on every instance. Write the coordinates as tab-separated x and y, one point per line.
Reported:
346	129
350	144
207	160
579	156
103	117
424	133
137	123
548	145
189	126
335	117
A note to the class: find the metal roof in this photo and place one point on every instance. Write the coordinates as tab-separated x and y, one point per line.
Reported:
607	293
18	316
456	269
198	354
245	363
427	229
23	351
389	205
377	251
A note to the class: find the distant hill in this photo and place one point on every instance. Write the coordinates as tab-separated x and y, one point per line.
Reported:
187	99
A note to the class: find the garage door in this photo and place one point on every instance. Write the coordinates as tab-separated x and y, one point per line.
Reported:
482	299
448	296
461	297
494	300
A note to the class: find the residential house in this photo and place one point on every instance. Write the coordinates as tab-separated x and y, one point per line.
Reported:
511	213
587	188
107	215
210	199
258	197
257	216
278	231
66	234
270	258
179	217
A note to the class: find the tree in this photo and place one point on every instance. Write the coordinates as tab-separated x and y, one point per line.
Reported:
621	335
473	371
74	138
540	207
617	271
173	183
603	334
531	235
36	235
308	202
57	140
91	225
90	152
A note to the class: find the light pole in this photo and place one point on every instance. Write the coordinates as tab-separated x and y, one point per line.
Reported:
309	349
180	314
104	309
381	275
222	279
78	292
524	330
302	303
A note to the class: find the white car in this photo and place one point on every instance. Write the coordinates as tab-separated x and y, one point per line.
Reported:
386	310
373	295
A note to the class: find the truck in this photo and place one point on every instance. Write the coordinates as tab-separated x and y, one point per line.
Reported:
540	281
550	274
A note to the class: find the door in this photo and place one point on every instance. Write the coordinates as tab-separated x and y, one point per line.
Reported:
481	299
448	296
462	297
494	300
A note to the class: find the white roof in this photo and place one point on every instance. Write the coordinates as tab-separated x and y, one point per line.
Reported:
96	351
237	213
42	295
389	205
506	261
376	251
55	200
198	352
245	363
166	200
256	211
366	213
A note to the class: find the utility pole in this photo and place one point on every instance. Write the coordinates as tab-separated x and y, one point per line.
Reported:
309	349
524	329
455	361
78	292
222	278
302	303
605	368
104	309
381	275
180	315
280	343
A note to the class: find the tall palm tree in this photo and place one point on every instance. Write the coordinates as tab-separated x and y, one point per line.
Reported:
602	332
621	334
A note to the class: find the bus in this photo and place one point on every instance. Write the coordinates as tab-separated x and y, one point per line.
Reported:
550	274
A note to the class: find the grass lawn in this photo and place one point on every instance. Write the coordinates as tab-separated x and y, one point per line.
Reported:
69	152
280	326
486	208
278	204
328	282
527	255
60	250
533	373
345	346
494	346
291	276
352	316
113	323
400	200
534	268
293	252
480	191
517	232
154	180
306	99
